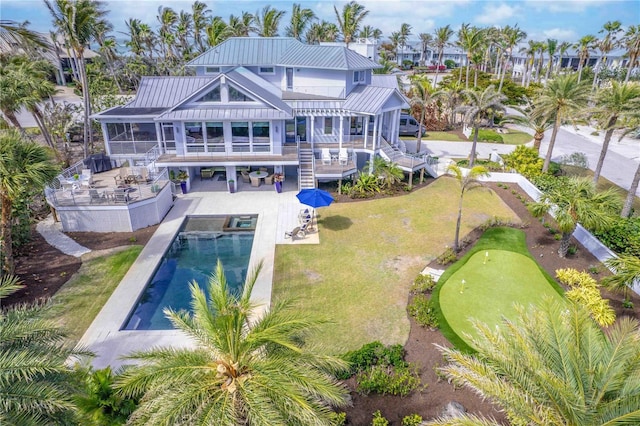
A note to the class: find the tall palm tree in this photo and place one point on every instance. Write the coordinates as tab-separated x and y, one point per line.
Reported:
584	46
134	43
268	21
533	120
631	42
480	106
323	31
217	31
562	98
562	49
512	36
200	16
36	388
350	19
452	95
530	51
552	47
609	42
300	21
76	20
469	39
422	92
403	35
241	26
442	37
577	201
394	38
369	32
425	41
183	32
626	272
618	101
246	368
467	181
542	47
631	194
24	165
168	20
552	366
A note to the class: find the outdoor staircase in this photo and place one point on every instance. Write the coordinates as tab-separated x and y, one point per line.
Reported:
407	162
306	177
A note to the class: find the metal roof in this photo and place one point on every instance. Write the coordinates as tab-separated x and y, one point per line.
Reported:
282	51
166	92
369	99
224	114
384	80
317	107
248	51
251	83
327	57
124	111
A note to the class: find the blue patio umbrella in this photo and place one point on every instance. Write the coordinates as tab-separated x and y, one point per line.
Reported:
314	198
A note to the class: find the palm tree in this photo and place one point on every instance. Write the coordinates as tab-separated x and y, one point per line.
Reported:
552	366
168	19
479	107
618	101
422	92
403	35
452	94
350	19
542	47
631	41
552	46
369	32
425	41
36	387
468	181
388	172
584	45
183	33
268	21
323	31
77	20
100	403
631	194
607	44
24	165
562	49
216	31
530	51
533	120
241	26
200	16
17	34
626	271
469	39
300	21
441	40
134	43
246	368
512	37
577	201
562	98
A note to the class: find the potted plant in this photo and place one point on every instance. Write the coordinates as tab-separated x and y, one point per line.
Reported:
277	181
76	176
182	177
232	185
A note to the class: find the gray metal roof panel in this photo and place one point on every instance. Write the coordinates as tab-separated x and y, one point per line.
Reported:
384	80
250	82
165	92
327	57
225	114
245	51
368	99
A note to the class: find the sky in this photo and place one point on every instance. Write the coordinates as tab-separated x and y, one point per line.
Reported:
565	20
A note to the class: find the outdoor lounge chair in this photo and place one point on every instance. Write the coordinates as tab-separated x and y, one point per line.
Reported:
326	156
343	157
298	233
97	197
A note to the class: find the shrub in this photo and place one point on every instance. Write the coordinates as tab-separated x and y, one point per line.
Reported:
371	354
365	186
584	290
423	310
386	379
339	419
423	284
525	161
448	256
412	420
489	136
492	166
379	420
450	63
547	182
623	236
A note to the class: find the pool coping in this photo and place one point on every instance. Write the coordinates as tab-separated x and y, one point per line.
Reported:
105	338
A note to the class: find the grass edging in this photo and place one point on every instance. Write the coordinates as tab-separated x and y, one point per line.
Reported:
516	243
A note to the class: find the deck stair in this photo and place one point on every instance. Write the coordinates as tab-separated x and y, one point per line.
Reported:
408	162
306	177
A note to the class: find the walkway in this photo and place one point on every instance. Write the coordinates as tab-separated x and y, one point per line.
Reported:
52	233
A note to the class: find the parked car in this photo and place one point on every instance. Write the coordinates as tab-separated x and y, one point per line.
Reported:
409	126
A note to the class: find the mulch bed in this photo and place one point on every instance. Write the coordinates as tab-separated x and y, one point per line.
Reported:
44	269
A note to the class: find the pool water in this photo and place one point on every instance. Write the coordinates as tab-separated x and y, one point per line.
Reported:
192	255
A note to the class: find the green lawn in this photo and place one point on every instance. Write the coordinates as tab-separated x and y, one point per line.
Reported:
493	284
513	137
369	254
78	302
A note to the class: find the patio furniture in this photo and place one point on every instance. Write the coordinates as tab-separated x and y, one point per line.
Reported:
343	157
326	156
123	195
97	197
268	180
122	175
206	174
263	169
298	233
255	181
245	176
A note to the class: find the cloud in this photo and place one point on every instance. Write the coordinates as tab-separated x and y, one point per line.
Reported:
493	14
561	6
560	34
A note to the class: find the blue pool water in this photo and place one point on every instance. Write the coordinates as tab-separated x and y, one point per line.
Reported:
193	255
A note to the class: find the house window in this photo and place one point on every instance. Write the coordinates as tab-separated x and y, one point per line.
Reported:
267	70
194	137
212	70
356	76
240	129
361	75
289	72
261	129
240	136
215	136
237	96
328	125
212	96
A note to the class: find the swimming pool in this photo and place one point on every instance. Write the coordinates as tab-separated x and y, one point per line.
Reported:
193	255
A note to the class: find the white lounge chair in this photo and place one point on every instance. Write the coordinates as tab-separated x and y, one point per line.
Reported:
343	157
326	156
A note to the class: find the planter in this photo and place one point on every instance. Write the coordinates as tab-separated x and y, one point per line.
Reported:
183	186
278	186
232	185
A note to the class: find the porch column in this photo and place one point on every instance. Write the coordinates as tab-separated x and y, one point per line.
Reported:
159	137
107	145
312	130
375	132
341	131
366	130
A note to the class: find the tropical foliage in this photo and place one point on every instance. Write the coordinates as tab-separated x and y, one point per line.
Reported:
585	291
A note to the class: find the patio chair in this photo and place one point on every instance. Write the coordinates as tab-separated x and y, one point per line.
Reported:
326	156
255	181
97	197
343	157
122	175
206	174
263	169
298	233
269	180
143	177
245	176
87	175
122	195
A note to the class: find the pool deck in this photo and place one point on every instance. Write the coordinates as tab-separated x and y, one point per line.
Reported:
277	214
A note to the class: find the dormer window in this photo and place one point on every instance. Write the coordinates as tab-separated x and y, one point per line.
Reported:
212	96
237	96
211	70
356	76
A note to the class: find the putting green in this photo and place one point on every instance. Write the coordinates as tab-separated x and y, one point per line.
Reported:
493	284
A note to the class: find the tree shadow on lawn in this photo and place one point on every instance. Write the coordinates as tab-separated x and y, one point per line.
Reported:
336	223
